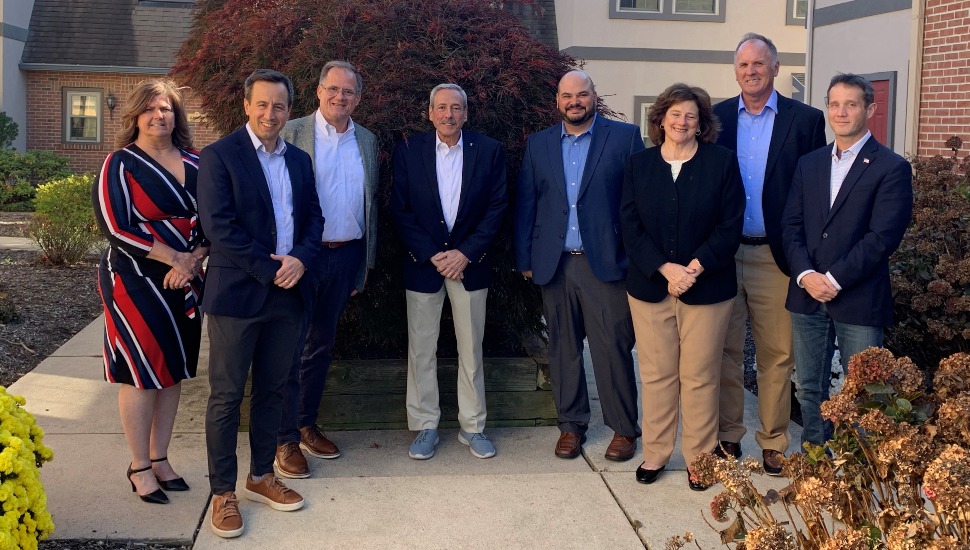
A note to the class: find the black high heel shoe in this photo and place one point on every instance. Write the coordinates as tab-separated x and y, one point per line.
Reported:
177	484
647	476
155	497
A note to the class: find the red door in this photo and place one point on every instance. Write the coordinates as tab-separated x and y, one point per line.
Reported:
879	123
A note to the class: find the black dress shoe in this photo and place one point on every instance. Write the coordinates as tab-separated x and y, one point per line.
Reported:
725	448
696	485
177	484
155	497
648	476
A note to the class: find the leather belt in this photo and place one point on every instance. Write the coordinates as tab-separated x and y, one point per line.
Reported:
574	252
754	241
336	244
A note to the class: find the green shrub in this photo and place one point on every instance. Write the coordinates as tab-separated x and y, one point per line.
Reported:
64	225
931	269
21	173
8	131
17	196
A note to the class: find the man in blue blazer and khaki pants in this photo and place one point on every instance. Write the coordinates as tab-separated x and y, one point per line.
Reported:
567	240
849	206
259	208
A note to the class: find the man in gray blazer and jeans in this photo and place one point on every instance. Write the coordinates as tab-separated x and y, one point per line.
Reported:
345	169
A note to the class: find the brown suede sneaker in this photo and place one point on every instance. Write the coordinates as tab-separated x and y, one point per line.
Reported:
226	520
270	491
314	442
290	461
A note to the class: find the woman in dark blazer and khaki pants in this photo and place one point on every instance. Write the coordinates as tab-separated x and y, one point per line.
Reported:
681	216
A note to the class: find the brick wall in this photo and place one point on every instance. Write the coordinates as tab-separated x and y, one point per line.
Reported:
945	88
45	114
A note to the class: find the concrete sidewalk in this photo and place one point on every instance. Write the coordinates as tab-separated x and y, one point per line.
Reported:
373	496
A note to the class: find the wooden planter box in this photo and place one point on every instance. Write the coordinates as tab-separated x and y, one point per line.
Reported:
364	395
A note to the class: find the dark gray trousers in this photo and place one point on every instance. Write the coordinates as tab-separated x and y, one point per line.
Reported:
265	341
577	305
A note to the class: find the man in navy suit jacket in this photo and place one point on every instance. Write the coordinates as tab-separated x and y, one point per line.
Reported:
567	240
258	205
847	212
447	199
769	132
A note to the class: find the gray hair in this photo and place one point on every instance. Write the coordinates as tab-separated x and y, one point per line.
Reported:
455	87
849	79
342	65
761	38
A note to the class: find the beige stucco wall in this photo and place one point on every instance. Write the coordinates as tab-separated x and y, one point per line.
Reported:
587	23
13	85
876	44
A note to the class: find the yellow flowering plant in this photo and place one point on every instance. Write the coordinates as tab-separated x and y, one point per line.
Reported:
24	519
894	476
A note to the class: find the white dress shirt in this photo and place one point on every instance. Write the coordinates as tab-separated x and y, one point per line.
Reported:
449	162
280	189
339	177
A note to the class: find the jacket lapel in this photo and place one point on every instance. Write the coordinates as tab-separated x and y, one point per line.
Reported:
600	135
469	154
305	136
296	186
247	154
859	165
554	154
729	125
779	133
430	168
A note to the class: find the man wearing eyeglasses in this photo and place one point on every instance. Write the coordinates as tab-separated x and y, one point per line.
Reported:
344	157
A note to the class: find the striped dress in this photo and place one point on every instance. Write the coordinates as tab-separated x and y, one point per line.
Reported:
152	334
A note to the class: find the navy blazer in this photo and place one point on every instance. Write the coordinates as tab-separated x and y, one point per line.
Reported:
855	237
420	221
698	216
542	209
798	129
236	213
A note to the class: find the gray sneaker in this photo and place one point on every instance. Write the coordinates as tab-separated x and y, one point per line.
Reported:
478	444
423	446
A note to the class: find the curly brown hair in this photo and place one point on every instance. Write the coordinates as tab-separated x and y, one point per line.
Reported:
710	126
139	98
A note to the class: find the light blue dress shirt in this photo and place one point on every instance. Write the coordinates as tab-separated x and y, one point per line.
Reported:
280	189
575	149
754	137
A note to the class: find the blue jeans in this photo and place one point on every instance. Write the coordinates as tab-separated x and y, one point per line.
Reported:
812	336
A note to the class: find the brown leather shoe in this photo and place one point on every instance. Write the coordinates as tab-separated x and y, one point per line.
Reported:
724	449
773	461
570	444
270	491
621	448
226	521
290	461
314	442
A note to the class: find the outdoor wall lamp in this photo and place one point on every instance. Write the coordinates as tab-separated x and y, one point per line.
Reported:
111	102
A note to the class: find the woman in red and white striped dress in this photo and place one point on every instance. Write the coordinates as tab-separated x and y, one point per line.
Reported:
150	278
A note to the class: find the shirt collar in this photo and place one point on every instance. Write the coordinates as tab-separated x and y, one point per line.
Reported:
772	103
855	148
280	144
330	129
442	146
588	130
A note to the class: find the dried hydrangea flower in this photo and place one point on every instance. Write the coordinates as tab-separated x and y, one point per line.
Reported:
847	539
770	537
947	481
720	506
953	420
953	376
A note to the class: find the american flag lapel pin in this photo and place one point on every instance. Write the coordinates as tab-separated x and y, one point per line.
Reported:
865	161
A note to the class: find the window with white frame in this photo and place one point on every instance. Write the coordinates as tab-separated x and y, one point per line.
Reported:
669	10
797	12
82	115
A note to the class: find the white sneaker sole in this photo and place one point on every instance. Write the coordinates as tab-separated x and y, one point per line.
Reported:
417	456
226	534
256	497
318	455
288	475
463	441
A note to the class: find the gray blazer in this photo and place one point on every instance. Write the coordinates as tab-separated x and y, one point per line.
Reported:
300	132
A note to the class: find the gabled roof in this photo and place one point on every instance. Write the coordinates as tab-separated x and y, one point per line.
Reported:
106	33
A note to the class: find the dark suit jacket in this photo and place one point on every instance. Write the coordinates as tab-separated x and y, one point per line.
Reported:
542	209
416	206
854	239
301	132
798	129
698	216
236	212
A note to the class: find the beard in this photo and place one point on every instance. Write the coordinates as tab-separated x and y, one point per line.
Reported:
578	118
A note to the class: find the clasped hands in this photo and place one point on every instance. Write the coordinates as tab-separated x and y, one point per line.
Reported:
679	277
185	266
451	264
819	286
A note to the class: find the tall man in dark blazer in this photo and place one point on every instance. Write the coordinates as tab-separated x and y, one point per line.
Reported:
448	199
259	209
849	207
567	240
769	132
344	156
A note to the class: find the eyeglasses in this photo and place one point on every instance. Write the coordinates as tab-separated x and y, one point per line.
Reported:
333	90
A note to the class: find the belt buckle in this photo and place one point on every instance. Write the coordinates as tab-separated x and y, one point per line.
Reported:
576	252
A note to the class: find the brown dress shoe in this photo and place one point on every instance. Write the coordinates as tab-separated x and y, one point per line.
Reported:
290	461
725	449
570	444
621	448
314	442
226	521
773	461
270	491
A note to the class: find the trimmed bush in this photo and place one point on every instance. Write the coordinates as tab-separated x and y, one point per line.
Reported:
8	131
21	173
63	225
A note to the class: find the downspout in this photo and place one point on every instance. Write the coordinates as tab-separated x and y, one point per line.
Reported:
915	78
809	54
